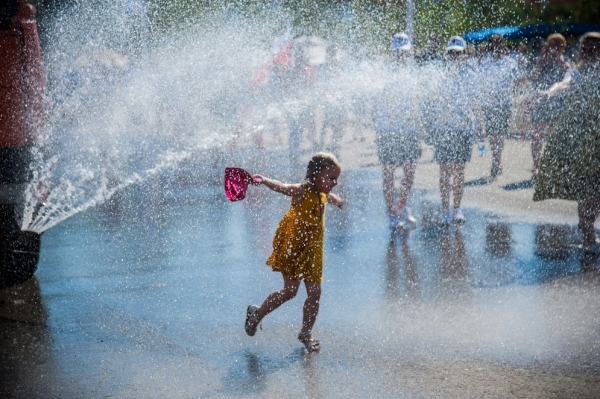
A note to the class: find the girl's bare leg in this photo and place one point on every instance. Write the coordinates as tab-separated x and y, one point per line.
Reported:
406	184
445	172
311	306
278	298
388	187
458	172
588	210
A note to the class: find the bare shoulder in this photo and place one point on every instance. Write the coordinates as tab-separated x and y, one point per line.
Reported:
298	193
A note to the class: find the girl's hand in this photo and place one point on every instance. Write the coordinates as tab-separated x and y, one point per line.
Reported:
336	200
258	180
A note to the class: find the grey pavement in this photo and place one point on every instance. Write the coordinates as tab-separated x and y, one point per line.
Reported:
145	297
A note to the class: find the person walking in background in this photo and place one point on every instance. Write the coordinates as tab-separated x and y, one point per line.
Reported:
398	131
296	82
549	69
286	80
298	243
570	165
498	73
521	54
332	100
520	118
457	117
266	87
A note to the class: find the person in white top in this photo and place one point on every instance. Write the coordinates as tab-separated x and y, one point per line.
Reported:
398	130
455	124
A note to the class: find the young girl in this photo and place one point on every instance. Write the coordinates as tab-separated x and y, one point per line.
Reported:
298	243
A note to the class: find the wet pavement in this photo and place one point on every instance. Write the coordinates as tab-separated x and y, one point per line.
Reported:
145	297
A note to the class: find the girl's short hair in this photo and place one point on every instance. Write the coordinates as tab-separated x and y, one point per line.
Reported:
321	161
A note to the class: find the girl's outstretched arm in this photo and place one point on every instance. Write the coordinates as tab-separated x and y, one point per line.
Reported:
335	199
293	190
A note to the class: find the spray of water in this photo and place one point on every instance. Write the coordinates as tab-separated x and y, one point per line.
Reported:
124	110
128	105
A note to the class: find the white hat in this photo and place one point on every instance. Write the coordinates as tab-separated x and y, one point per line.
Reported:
456	43
401	41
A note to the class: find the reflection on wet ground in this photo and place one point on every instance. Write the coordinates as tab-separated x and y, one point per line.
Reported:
145	297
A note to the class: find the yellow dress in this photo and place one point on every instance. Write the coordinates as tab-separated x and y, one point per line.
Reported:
298	243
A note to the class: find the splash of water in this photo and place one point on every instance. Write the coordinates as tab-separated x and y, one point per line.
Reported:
126	109
120	117
70	197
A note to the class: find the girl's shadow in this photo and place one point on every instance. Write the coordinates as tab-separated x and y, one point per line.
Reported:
249	376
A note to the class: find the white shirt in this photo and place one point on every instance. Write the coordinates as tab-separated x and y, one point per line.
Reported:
496	79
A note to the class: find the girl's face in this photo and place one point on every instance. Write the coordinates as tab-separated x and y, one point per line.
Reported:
327	179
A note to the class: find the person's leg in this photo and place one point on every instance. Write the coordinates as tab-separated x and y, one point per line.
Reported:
537	143
588	211
492	115
496	145
296	126
278	298
388	188
458	174
499	129
445	172
337	134
406	184
311	306
259	137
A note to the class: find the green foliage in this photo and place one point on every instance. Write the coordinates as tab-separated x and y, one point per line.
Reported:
371	23
587	11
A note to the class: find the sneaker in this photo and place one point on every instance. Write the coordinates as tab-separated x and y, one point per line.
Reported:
394	221
458	217
251	320
446	218
406	216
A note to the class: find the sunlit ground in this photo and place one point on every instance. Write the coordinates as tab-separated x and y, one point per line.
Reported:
145	296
